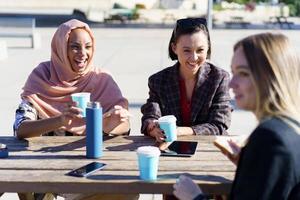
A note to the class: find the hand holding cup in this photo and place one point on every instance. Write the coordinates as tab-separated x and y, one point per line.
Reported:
82	98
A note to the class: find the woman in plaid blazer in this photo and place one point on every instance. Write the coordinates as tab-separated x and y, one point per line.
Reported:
193	90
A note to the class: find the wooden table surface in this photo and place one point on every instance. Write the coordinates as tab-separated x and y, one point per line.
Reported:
40	164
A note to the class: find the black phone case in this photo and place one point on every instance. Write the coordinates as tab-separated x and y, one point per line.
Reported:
180	149
87	170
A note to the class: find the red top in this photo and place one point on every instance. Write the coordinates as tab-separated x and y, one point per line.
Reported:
185	104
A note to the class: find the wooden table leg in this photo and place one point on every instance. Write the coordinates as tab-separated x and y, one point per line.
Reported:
47	196
26	196
36	196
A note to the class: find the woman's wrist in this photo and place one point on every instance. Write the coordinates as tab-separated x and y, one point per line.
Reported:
60	121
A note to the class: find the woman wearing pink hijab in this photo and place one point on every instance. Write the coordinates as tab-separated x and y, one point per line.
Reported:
47	108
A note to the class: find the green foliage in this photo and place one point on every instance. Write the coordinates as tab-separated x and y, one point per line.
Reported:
238	1
294	9
292	2
118	6
140	6
217	7
294	6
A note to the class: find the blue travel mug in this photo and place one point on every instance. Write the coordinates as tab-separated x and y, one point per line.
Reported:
94	138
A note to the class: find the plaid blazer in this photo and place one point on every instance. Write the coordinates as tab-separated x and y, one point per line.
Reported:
210	106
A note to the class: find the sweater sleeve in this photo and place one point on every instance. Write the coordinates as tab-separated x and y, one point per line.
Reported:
25	111
151	109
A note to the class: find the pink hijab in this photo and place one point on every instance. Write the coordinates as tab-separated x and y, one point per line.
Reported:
51	83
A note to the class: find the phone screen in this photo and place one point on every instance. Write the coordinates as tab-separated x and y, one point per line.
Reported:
180	148
87	169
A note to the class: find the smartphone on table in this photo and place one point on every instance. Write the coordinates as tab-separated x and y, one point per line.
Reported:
180	149
87	170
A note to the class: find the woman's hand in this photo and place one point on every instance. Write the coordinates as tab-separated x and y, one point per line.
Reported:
154	131
114	118
236	149
69	113
117	113
186	189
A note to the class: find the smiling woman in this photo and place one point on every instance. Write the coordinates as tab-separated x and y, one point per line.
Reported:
47	107
194	90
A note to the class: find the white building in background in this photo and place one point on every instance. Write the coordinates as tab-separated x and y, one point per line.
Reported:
167	11
165	4
156	11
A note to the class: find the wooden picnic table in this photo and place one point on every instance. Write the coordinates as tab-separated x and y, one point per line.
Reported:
40	165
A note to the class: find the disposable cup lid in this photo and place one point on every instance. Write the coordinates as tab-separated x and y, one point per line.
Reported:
148	151
2	146
167	119
81	94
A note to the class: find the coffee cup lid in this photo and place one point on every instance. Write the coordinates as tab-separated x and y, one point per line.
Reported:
167	118
148	151
2	146
81	94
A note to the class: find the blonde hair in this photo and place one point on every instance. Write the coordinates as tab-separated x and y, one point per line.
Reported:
275	71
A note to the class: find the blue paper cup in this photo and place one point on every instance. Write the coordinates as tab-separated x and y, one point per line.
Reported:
168	125
82	98
148	159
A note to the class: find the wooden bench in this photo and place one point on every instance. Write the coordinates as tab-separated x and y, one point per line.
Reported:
236	21
20	27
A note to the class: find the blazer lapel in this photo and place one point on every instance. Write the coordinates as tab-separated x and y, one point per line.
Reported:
199	95
172	92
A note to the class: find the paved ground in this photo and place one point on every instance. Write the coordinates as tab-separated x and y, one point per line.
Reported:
131	55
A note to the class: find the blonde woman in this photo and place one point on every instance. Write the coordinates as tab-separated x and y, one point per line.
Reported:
266	74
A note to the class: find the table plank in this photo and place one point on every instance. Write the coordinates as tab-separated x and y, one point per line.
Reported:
49	140
79	145
106	182
117	165
125	155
